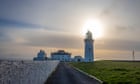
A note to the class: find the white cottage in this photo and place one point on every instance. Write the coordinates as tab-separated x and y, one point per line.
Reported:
41	55
78	59
61	55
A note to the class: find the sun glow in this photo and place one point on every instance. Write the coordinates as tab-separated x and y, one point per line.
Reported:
95	26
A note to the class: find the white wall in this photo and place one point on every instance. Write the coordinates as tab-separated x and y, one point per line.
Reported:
61	57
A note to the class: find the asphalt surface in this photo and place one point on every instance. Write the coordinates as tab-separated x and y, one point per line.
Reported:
65	74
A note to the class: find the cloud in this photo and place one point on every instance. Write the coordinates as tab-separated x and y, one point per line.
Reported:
118	44
44	38
55	41
31	40
108	10
125	28
4	37
6	24
40	37
11	23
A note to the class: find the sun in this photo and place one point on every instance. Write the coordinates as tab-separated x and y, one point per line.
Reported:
95	26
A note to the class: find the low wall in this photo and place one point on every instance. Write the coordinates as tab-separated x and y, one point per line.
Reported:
26	72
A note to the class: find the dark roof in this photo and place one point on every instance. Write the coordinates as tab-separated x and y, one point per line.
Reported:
77	56
60	52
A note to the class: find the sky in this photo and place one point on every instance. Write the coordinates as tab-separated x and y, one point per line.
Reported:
26	26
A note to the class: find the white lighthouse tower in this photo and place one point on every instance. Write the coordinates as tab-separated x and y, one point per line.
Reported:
89	49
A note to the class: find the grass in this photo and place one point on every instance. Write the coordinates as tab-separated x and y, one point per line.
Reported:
112	72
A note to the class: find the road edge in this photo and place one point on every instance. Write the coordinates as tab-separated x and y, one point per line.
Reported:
91	76
52	72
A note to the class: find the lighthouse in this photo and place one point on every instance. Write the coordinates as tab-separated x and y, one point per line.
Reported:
89	47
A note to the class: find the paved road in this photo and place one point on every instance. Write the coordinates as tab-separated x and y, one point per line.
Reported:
65	74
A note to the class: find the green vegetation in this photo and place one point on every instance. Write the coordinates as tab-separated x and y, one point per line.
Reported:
112	72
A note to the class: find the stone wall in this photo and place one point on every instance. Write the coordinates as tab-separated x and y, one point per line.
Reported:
26	72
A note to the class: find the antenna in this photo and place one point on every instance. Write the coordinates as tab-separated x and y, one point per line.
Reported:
133	55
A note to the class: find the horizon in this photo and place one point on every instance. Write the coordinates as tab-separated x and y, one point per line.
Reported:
30	25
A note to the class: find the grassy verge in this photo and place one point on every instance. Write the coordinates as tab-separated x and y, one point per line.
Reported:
111	72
